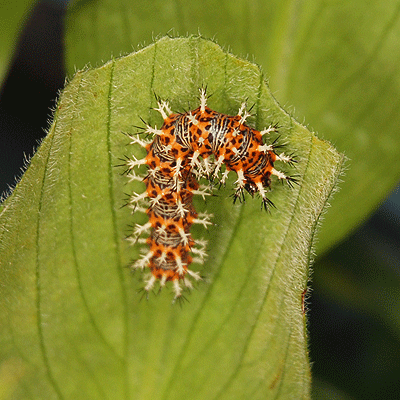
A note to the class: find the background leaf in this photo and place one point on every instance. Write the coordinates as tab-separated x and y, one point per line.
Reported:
12	15
334	62
69	308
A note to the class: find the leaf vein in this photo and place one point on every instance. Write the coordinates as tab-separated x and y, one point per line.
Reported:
49	372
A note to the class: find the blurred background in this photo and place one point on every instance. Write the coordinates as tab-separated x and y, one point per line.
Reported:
354	305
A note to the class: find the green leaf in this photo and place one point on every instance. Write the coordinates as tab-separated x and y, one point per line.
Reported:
336	63
70	313
12	16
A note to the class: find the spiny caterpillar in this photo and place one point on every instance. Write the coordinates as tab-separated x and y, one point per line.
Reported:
190	146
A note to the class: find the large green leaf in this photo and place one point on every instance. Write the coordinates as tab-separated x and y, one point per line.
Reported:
12	15
71	320
335	62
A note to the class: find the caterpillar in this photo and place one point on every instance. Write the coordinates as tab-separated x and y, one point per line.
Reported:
190	146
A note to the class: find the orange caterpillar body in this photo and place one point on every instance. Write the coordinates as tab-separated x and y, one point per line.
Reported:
189	146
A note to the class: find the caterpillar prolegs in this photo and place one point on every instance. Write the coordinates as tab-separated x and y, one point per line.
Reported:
190	146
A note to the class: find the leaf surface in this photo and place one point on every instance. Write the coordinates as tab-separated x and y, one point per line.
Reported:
70	313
